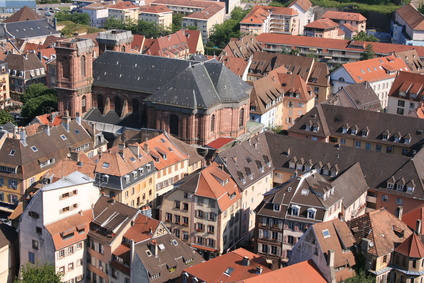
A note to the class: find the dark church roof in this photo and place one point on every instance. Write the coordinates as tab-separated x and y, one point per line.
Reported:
28	29
181	83
24	14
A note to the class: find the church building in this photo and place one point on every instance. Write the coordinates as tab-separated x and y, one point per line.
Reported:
196	102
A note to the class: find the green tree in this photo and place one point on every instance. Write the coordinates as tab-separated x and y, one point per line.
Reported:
35	90
77	18
177	21
362	36
39	105
5	117
39	274
368	53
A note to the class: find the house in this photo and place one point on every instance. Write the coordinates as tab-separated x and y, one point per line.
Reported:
302	272
315	74
359	128
203	210
349	31
408	26
124	11
110	92
202	14
161	259
9	253
378	233
263	19
331	51
330	245
379	72
305	10
250	166
236	266
180	45
354	19
54	226
411	58
414	219
25	69
160	15
288	210
324	28
406	93
110	221
4	85
301	155
98	13
24	13
26	157
244	47
358	96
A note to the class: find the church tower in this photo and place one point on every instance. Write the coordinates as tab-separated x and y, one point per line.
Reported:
74	65
115	40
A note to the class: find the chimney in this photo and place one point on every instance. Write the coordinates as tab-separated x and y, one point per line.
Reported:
135	149
259	269
400	212
93	129
146	147
121	147
150	231
330	258
40	56
132	251
74	156
48	130
78	118
55	23
155	248
23	137
66	119
418	227
246	261
365	244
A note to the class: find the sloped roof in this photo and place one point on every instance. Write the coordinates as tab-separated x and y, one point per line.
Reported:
322	24
155	9
408	85
140	230
216	270
24	14
383	230
412	247
241	48
260	13
359	96
207	12
124	5
413	18
23	62
411	217
345	16
305	5
31	28
65	167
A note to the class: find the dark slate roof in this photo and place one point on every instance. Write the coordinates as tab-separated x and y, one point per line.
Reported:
131	120
28	29
359	96
23	62
377	167
331	119
171	81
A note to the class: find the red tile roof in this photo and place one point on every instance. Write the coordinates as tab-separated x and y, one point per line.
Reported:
155	9
332	44
219	142
349	27
124	5
259	13
302	272
138	42
322	24
229	267
412	17
411	247
345	16
411	217
207	12
140	230
303	4
24	14
411	84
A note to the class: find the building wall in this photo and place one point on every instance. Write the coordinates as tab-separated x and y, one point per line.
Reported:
166	177
356	209
7	266
305	17
402	106
205	25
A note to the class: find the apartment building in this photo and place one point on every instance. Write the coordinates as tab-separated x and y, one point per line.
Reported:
354	19
250	165
160	15
98	13
124	11
408	26
9	253
331	51
324	28
264	19
204	211
4	85
406	94
54	225
378	72
305	10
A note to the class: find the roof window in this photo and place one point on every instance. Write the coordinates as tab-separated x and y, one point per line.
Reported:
326	233
34	148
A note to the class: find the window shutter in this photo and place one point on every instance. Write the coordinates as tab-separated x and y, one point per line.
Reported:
261	233
280	237
259	248
271	222
285	240
280	224
278	251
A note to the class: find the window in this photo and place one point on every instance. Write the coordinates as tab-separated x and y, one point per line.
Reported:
399	201
389	149
185	220
265	249
177	219
168	217
213	123
13	184
290	240
384	198
276	207
357	144
177	233
199	213
185	236
295	210
401	103
185	206
342	141
378	147
211	229
367	146
241	118
199	227
311	213
61	253
31	257
177	204
38	230
35	244
400	111
35	149
325	233
70	266
211	242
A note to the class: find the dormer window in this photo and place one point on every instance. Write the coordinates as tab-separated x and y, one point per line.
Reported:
409	189
127	178
295	210
276	207
105	178
315	128
386	135
390	185
345	129
353	131
399	187
311	213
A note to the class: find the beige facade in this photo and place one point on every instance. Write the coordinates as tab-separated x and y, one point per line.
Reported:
162	19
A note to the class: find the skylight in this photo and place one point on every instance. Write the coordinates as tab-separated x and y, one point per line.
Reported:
63	137
105	165
326	233
12	152
305	192
76	131
229	271
34	148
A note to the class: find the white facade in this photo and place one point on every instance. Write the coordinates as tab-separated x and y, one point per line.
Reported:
402	106
98	16
49	207
305	17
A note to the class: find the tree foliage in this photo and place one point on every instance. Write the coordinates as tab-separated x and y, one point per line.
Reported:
362	36
35	90
148	29
38	99
177	21
222	33
39	274
5	117
77	18
368	53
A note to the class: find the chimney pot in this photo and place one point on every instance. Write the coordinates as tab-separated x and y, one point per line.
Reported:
418	227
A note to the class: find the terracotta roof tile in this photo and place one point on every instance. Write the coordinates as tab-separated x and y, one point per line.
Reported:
24	14
408	86
322	24
140	230
155	9
411	247
124	5
305	5
220	142
411	217
345	16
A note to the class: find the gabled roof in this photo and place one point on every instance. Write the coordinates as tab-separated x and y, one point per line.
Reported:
207	12
24	14
82	163
305	5
155	9
412	17
260	13
297	41
302	272
412	247
29	29
408	85
124	5
345	16
169	46
140	230
230	268
359	96
322	24
382	229
236	65
24	62
411	58
411	217
241	48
